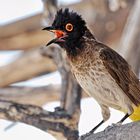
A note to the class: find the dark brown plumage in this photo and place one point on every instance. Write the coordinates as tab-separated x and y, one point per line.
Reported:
100	71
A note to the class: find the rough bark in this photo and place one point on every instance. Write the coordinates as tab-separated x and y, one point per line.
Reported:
33	115
124	132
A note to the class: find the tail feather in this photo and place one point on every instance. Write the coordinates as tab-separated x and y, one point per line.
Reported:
136	114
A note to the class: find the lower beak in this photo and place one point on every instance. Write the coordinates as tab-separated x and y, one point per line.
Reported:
52	41
59	35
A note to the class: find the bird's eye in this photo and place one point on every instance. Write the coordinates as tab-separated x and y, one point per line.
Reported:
69	27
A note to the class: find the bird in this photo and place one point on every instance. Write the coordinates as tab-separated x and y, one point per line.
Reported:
101	71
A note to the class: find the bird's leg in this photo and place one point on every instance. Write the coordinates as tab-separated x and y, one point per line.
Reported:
124	118
130	110
118	123
92	131
105	114
98	125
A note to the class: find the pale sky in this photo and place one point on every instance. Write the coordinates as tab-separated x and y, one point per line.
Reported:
11	10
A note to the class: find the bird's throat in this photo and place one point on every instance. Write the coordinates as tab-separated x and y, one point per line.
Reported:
74	48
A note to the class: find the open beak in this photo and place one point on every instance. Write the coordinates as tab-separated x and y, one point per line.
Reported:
60	35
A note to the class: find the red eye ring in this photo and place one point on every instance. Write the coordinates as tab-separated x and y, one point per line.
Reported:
69	27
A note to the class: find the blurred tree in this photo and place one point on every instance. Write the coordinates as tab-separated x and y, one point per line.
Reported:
130	42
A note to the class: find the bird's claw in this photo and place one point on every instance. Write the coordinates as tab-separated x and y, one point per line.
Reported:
108	128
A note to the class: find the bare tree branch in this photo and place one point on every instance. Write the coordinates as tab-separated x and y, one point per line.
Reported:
30	95
63	123
28	65
25	40
70	90
27	24
124	132
34	95
36	116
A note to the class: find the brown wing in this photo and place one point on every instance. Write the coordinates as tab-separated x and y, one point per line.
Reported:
122	73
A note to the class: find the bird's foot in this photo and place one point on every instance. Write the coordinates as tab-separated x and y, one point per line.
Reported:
91	131
113	125
94	129
87	134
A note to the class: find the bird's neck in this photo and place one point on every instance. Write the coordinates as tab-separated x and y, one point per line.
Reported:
77	46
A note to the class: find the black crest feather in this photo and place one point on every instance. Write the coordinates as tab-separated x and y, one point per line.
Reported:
64	16
73	41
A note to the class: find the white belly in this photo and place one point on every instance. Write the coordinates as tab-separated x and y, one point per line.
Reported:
103	88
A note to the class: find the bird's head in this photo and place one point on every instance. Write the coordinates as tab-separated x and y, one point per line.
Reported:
68	27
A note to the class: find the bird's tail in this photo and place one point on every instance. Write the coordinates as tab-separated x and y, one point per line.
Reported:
136	114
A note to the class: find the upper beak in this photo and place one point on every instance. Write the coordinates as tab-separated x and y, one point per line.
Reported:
59	34
48	28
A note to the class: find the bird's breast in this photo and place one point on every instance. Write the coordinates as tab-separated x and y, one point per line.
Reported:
98	83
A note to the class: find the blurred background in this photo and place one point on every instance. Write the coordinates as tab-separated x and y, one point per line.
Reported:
28	77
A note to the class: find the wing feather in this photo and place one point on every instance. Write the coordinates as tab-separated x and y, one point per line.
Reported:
121	72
